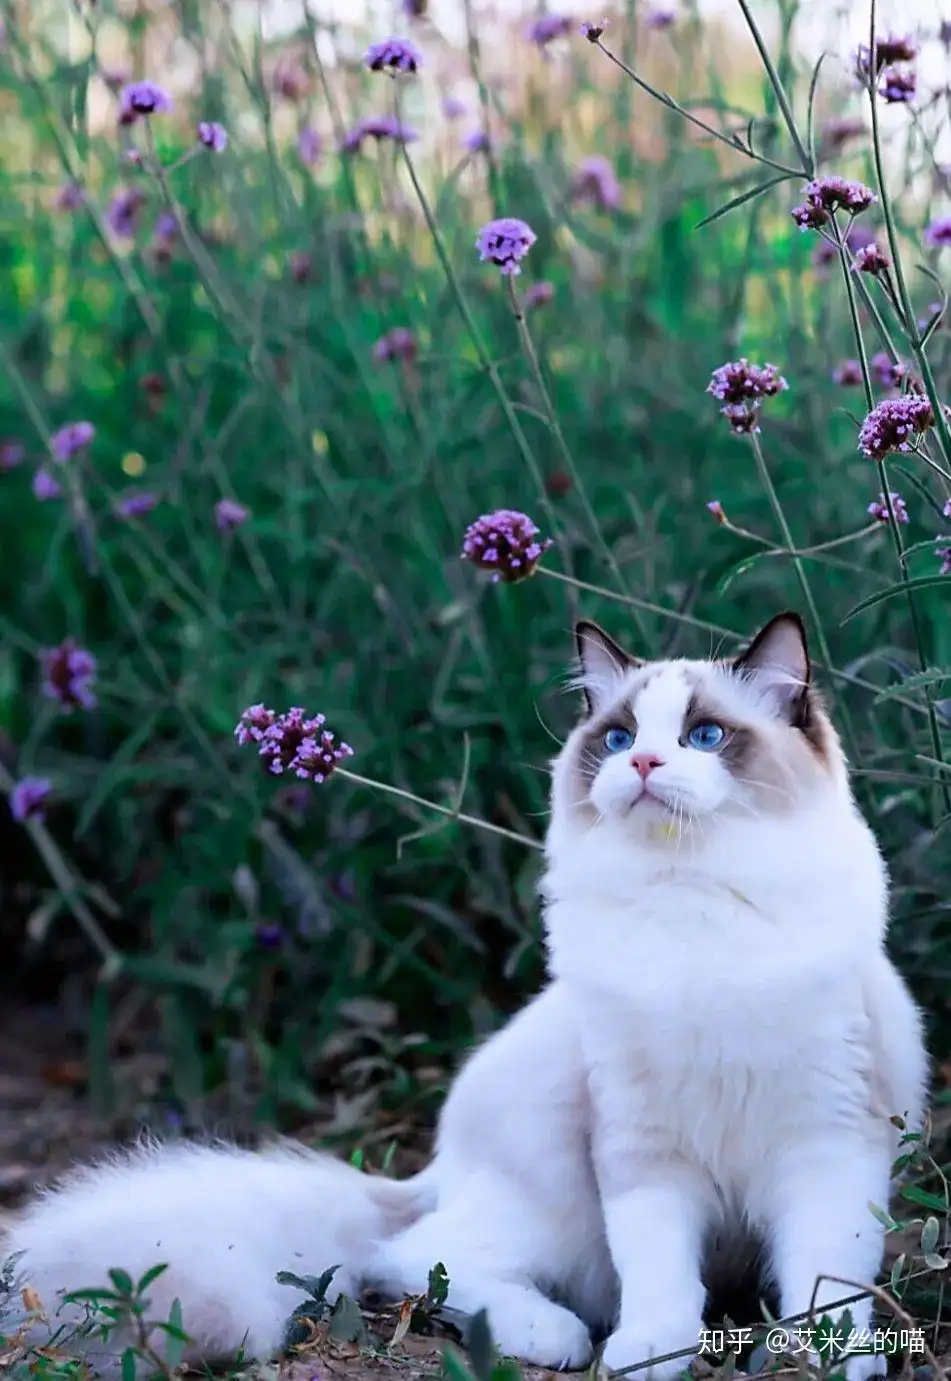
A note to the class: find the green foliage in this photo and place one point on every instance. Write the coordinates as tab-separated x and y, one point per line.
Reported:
226	368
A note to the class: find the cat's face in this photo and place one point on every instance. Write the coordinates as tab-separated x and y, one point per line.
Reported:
691	740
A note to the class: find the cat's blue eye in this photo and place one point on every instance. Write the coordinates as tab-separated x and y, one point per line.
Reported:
706	736
618	740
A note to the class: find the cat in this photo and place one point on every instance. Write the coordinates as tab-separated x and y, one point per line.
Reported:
709	1076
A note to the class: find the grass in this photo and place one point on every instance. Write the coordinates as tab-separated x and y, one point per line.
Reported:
361	935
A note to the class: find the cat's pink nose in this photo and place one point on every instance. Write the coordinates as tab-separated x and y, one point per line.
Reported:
645	763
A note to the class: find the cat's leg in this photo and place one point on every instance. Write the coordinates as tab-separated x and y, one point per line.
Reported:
655	1226
815	1195
499	1247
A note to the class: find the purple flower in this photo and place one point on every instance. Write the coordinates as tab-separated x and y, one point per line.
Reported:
716	508
399	343
67	673
377	127
505	543
136	505
595	183
946	510
894	424
657	18
45	486
213	136
938	233
824	195
166	227
301	265
290	77
414	9
741	387
71	439
878	508
887	51
123	212
143	98
945	554
505	242
309	146
292	743
899	85
70	197
593	32
888	373
477	141
870	259
742	382
393	55
453	108
229	514
547	28
269	935
848	374
538	294
27	797
838	132
12	454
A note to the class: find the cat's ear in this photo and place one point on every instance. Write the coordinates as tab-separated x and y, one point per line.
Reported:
778	658
603	664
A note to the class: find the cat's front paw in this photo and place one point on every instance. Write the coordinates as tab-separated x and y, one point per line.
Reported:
631	1345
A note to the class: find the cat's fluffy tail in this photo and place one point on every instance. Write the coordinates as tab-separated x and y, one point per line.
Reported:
224	1221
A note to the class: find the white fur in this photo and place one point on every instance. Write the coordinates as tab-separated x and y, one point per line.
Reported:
722	1041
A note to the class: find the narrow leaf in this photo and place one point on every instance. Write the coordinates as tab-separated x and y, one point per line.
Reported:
922	582
748	195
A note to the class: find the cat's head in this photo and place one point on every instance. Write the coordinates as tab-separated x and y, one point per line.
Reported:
683	741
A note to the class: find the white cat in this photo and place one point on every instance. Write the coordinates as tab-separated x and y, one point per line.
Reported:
712	1067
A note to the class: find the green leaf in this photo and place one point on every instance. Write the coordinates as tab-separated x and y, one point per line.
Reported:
315	1286
930	1232
918	681
480	1347
922	582
741	567
935	1262
347	1324
915	1195
122	1281
438	1287
743	197
894	1278
883	1216
128	1364
176	1337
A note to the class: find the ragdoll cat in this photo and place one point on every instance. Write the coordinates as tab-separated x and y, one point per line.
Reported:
710	1072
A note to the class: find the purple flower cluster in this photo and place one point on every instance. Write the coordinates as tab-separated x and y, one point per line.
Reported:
394	55
476	141
871	259
888	373
899	85
12	454
68	671
377	127
547	27
887	51
945	555
213	136
716	508
45	486
309	146
826	195
505	543
122	214
894	424
848	374
136	505
70	197
595	183
659	18
741	388
27	797
71	439
292	742
229	514
878	508
538	294
504	242
592	32
938	233
142	98
399	343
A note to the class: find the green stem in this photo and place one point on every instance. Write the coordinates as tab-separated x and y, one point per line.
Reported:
671	104
564	450
808	168
804	585
459	815
482	353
